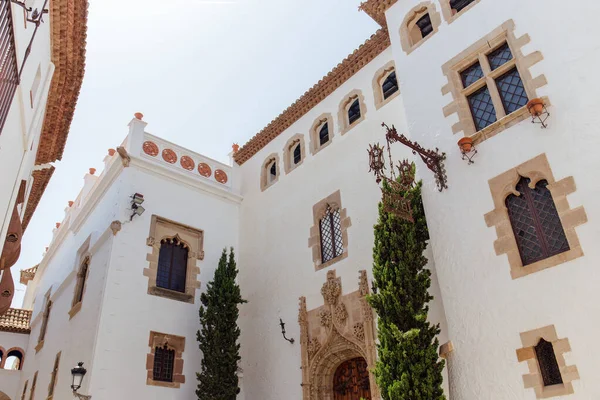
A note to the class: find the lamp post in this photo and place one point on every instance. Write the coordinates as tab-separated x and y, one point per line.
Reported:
78	373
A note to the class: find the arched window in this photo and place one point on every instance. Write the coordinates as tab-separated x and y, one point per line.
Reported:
164	358
535	222
272	172
419	24
172	264
390	85
353	111
332	244
457	5
14	360
269	171
544	352
297	154
424	27
324	134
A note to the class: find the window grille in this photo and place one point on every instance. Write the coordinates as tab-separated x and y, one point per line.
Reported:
535	222
324	134
354	112
164	360
390	85
332	244
512	91
172	265
546	358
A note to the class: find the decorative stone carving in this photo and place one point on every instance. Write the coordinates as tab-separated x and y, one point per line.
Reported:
340	314
125	159
331	289
325	316
359	331
115	227
313	347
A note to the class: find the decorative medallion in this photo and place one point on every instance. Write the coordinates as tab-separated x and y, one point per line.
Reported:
204	170
359	331
187	163
169	156
340	314
220	176
150	148
325	317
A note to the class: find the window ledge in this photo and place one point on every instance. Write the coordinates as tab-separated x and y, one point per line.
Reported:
74	310
332	261
171	294
349	127
386	101
172	385
39	346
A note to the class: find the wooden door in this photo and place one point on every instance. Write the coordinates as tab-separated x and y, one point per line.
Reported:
351	380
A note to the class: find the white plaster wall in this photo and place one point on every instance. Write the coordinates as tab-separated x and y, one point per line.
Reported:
275	260
486	310
9	379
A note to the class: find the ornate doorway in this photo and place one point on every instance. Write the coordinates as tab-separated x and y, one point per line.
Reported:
351	380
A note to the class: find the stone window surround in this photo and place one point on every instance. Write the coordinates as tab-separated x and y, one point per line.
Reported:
264	171
534	380
447	10
503	185
411	18
478	52
162	228
173	342
80	281
288	152
33	385
23	395
53	377
45	319
314	241
380	76
345	105
5	356
315	142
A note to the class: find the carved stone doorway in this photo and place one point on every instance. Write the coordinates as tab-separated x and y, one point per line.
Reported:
351	380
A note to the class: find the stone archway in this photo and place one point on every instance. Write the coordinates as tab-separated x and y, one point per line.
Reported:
340	330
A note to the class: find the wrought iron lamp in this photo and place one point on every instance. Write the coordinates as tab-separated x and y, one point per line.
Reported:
467	149
136	205
539	112
282	324
78	373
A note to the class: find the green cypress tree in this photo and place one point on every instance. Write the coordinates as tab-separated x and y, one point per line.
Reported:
219	333
408	367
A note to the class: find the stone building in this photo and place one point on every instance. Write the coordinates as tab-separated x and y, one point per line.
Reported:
512	235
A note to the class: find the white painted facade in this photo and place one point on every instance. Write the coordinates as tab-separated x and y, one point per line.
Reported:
481	309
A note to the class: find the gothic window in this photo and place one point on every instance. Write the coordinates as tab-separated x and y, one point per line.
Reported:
297	155
458	5
419	24
354	111
535	222
390	85
53	376
172	264
424	25
332	244
293	153
324	134
272	172
164	358
544	352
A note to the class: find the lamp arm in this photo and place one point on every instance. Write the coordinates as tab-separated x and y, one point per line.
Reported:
81	396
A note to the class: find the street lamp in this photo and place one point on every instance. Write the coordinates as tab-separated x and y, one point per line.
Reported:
78	373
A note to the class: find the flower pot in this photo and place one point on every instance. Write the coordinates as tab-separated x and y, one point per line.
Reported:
465	144
111	152
138	115
535	107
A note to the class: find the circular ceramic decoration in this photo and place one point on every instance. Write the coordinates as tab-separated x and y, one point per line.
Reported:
169	156
220	176
187	163
204	170
150	148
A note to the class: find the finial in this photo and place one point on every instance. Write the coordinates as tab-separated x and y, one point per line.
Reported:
138	115
92	171
70	203
57	225
235	147
111	152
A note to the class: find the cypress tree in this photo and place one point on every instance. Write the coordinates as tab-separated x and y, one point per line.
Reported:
408	367
219	333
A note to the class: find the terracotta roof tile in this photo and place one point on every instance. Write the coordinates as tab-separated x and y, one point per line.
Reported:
376	9
41	177
336	77
28	274
15	320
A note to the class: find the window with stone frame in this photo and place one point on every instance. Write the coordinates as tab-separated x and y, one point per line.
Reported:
293	153
53	376
164	363
45	317
172	270
452	9
490	83
269	173
328	236
390	85
385	85
351	110
33	384
321	133
419	24
82	274
23	395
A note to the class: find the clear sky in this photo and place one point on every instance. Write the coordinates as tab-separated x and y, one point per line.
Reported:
205	73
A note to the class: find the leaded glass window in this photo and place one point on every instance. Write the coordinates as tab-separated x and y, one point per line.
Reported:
164	359
544	352
482	108
324	134
332	244
172	265
500	56
354	112
390	85
512	91
535	222
471	75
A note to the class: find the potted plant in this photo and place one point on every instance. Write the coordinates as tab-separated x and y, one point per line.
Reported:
535	107
465	144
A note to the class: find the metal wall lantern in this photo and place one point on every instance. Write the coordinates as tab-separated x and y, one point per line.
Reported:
282	324
467	149
77	374
136	205
539	112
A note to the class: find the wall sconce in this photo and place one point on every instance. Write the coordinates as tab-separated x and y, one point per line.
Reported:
136	205
282	324
467	149
78	373
539	112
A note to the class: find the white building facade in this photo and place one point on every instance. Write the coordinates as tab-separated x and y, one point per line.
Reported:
511	236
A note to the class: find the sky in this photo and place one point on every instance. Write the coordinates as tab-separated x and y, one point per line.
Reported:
205	74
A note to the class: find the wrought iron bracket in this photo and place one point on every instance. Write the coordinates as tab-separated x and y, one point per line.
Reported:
81	396
282	324
36	17
434	160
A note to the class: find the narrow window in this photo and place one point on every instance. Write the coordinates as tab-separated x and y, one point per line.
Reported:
390	85
81	279
425	25
273	172
458	5
33	383
53	376
297	154
324	134
331	235
35	85
163	364
512	91
544	352
535	222
354	112
45	317
14	360
24	390
172	265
